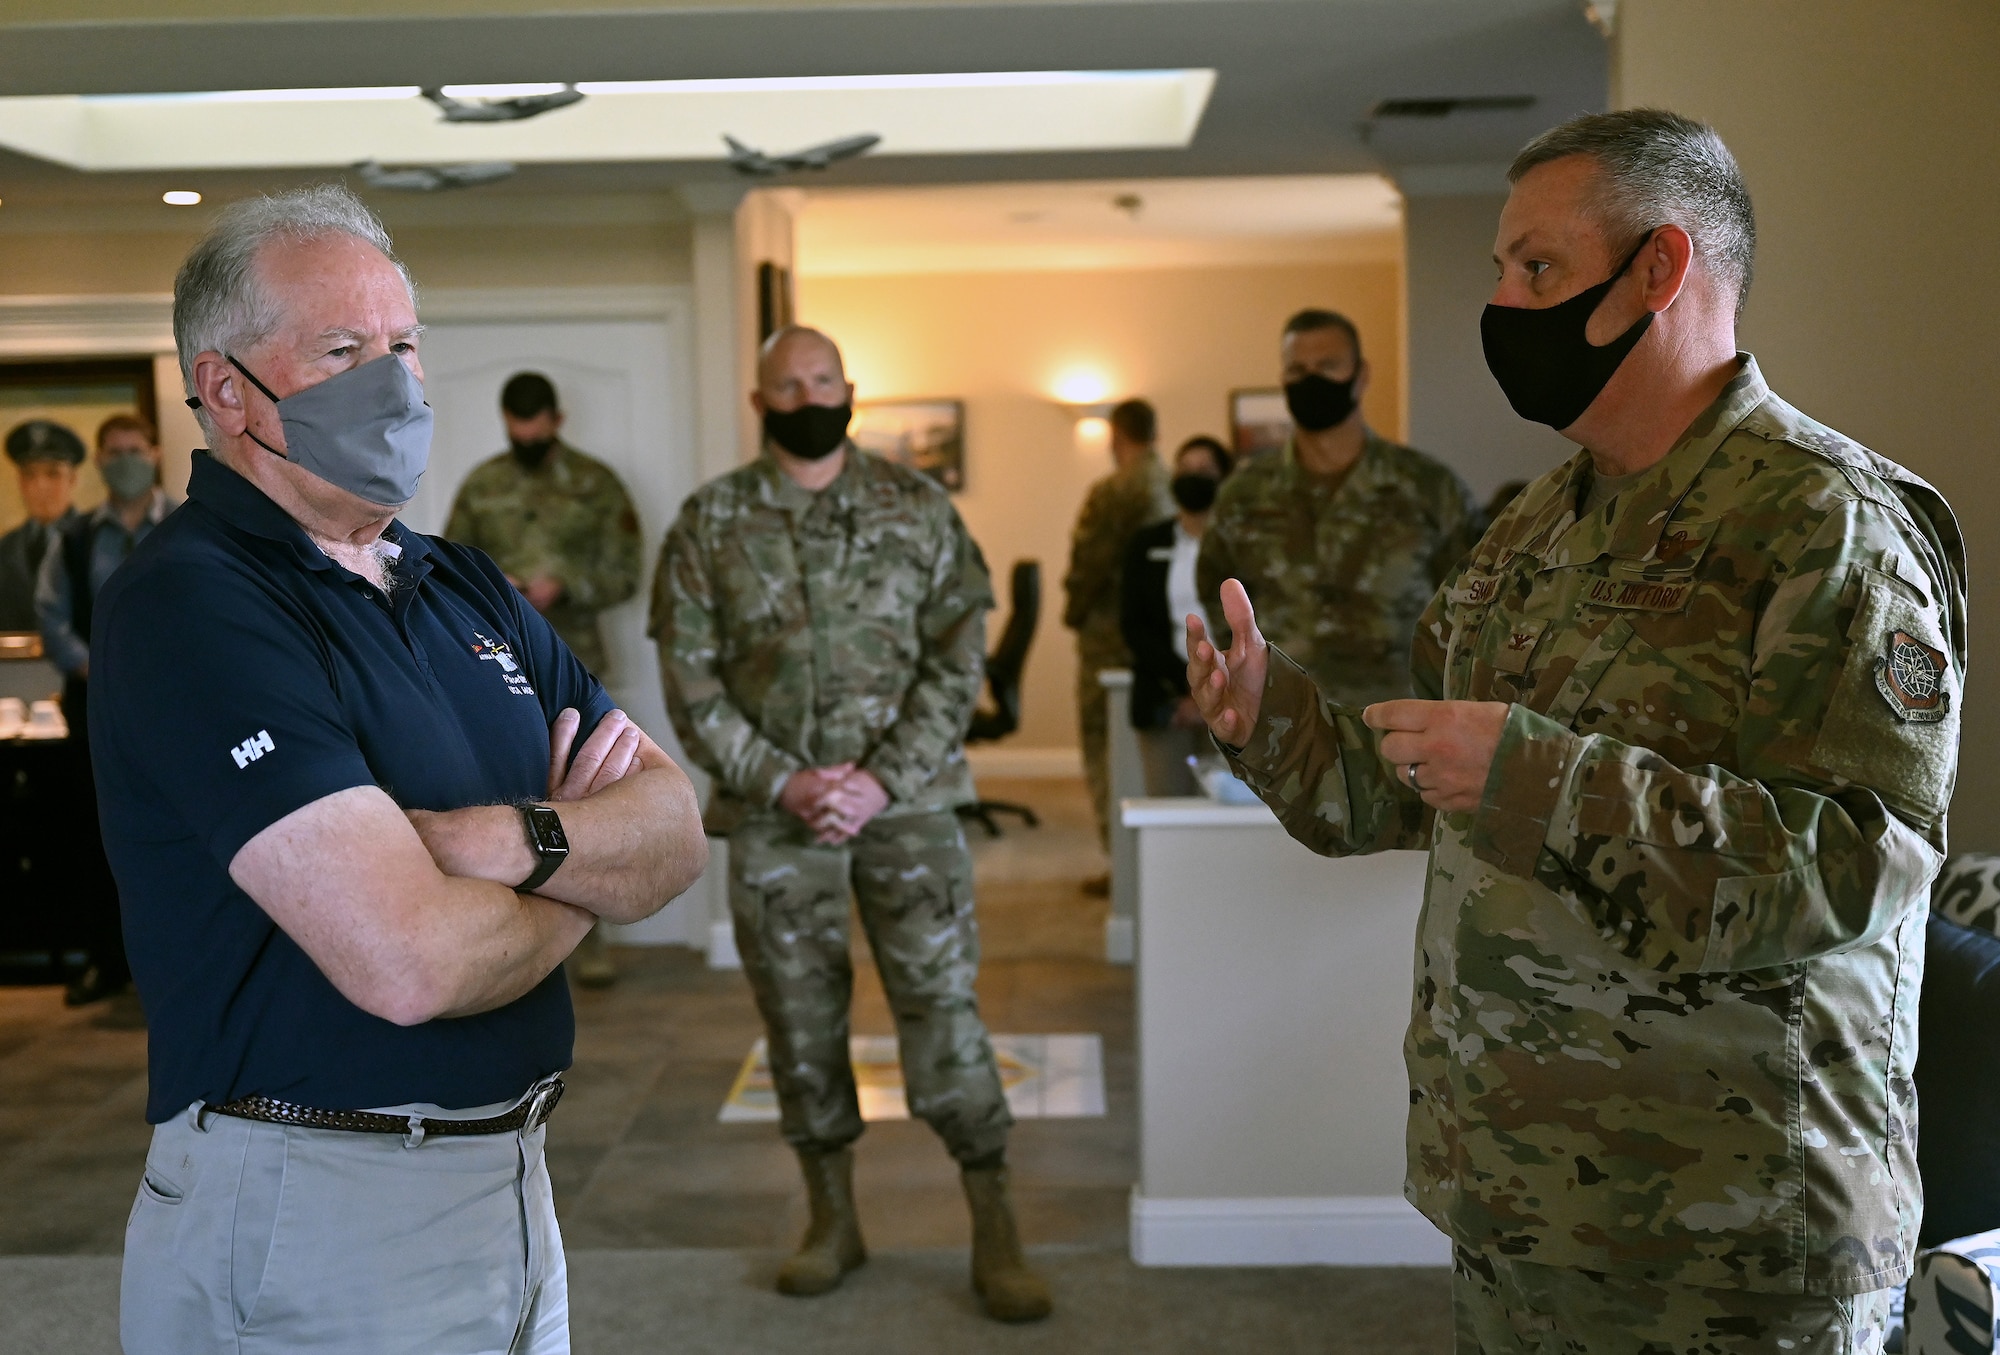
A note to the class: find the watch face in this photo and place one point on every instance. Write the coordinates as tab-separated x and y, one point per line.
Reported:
549	836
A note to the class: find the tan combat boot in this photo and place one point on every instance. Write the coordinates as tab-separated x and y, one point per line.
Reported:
591	960
832	1244
1006	1287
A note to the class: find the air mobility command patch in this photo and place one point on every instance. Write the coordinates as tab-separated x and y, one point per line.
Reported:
1910	675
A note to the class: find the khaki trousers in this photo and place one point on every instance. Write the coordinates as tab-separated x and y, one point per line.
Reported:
249	1238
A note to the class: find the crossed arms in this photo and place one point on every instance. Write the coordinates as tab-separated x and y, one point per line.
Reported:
412	915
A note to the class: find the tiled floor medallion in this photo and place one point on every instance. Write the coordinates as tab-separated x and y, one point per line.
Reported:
1046	1077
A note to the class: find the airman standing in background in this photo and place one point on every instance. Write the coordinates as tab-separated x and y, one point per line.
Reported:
562	527
45	456
821	619
1340	539
1134	495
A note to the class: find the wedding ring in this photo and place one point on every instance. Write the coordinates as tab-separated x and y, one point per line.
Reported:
1411	772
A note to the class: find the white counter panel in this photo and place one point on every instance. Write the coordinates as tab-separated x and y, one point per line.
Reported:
1273	992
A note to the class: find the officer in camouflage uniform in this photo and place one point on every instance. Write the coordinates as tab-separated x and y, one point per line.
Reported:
1134	495
821	621
1341	538
562	527
558	522
1690	728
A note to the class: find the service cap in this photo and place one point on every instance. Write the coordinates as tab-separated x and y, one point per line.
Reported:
43	440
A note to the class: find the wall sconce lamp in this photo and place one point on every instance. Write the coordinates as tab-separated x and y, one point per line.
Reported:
1085	393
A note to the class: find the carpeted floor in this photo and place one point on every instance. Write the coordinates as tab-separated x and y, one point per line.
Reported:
710	1302
675	1223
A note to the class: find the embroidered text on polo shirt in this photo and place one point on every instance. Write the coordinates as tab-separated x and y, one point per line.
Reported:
501	653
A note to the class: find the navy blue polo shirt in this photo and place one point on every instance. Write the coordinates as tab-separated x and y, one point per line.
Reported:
237	674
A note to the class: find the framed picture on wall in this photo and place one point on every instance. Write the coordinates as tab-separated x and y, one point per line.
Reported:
1258	420
925	435
774	299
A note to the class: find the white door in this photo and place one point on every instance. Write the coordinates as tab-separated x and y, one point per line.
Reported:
627	398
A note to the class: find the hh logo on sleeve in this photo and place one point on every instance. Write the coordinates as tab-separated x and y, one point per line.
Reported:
252	748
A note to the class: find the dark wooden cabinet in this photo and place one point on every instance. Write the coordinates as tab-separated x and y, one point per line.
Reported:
53	875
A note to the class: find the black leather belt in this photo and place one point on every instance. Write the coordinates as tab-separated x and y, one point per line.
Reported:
530	1114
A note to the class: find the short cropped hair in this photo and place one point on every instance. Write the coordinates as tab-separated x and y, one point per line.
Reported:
527	394
1135	421
127	423
1313	318
219	301
1202	442
1658	169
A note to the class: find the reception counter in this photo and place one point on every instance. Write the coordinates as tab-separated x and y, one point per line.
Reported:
1273	991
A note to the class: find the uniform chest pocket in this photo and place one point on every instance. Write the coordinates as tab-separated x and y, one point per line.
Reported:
1625	688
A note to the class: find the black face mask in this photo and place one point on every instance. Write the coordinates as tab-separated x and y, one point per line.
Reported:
1548	370
1319	402
1195	492
531	454
810	432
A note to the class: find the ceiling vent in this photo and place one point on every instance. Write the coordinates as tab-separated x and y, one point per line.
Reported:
1444	108
1432	110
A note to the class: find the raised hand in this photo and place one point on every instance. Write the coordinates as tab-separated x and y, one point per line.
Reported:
1228	688
1441	749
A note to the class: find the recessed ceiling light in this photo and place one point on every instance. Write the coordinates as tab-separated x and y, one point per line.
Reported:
180	197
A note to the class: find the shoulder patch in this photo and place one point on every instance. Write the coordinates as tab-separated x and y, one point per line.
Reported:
1911	677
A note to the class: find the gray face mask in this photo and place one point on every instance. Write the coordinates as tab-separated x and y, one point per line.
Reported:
367	431
128	476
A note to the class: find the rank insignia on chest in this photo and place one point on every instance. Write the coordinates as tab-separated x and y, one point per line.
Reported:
1638	595
1910	675
1514	646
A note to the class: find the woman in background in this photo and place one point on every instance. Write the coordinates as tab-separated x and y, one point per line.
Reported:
1158	594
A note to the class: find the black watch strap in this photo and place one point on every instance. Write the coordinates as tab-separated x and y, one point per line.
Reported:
547	841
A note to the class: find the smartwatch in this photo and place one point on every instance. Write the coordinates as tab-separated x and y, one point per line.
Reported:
547	841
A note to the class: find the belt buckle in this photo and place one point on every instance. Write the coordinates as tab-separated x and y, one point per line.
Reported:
542	1101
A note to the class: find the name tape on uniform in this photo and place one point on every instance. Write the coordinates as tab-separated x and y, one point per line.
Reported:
1638	595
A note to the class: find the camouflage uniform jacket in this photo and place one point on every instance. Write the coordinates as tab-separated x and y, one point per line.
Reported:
1339	572
1665	1007
801	629
1131	497
568	519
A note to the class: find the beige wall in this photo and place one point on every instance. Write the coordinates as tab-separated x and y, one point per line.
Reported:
447	245
1869	131
1180	338
97	262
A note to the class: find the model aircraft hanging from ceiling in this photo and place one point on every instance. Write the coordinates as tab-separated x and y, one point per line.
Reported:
431	178
502	110
755	163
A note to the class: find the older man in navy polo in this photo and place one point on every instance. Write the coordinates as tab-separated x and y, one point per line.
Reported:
361	802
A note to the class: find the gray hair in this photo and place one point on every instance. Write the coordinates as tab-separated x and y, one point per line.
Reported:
220	304
1658	169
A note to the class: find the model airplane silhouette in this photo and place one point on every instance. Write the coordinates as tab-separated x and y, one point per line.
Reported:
502	110
748	160
430	178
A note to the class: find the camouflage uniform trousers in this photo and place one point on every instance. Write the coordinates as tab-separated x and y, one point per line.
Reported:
1505	1307
911	876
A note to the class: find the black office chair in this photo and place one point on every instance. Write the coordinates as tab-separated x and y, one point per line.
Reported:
1003	680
